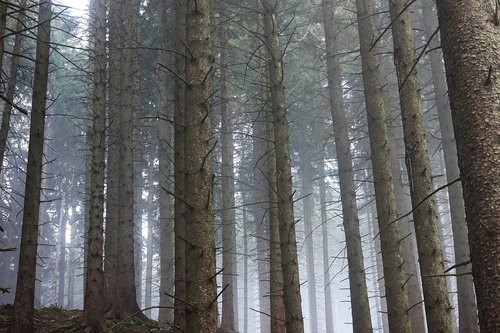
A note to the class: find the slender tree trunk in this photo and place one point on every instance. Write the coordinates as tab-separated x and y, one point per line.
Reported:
329	315
228	323
166	156
149	257
93	308
61	265
437	303
291	289
359	294
22	316
396	293
11	84
467	308
470	35
179	169
201	311
278	322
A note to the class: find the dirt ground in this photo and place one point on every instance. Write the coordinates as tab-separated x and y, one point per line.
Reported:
58	320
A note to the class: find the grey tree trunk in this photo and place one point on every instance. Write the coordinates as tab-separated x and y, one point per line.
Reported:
166	168
179	169
437	303
11	84
278	322
396	293
360	306
470	35
329	314
93	308
291	286
201	309
467	307
229	307
22	315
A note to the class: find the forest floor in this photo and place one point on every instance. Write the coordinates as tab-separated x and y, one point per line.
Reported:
58	320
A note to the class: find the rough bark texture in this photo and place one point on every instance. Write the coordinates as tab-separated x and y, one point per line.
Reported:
93	308
201	309
467	307
470	38
22	316
228	219
278	323
437	303
166	130
396	293
291	287
179	172
360	306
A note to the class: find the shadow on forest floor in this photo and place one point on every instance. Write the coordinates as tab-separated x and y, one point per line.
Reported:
58	320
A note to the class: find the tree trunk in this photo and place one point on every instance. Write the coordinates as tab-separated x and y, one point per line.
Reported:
278	322
201	309
470	35
166	156
396	293
467	308
11	84
93	308
22	316
291	288
437	303
329	315
179	170
228	219
61	265
359	295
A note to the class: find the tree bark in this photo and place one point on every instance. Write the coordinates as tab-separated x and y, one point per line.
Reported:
93	308
467	307
437	303
22	316
291	287
179	169
470	35
201	309
228	322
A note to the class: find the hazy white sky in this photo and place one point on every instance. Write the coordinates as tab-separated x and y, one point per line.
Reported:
78	5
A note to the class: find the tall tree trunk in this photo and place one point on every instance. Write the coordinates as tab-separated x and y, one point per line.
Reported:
11	84
166	156
329	315
179	169
437	303
291	287
470	35
201	311
360	306
228	322
22	316
467	308
307	201
396	293
149	258
93	308
278	322
61	265
125	303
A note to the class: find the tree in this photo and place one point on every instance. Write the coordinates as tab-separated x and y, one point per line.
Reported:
291	285
436	300
357	280
470	35
394	276
201	299
179	168
229	282
22	316
93	309
467	308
